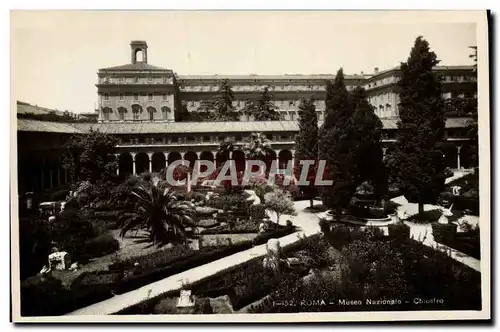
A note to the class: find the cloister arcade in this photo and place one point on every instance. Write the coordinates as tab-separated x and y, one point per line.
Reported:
140	162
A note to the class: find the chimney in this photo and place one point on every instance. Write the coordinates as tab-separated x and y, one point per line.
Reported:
376	70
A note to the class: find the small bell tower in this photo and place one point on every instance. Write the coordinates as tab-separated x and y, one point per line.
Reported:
139	51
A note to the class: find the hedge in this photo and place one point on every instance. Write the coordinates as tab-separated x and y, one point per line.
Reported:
215	286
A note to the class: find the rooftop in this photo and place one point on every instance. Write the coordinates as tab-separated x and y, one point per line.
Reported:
135	67
185	127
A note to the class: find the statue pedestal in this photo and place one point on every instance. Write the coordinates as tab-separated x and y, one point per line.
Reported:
443	220
185	300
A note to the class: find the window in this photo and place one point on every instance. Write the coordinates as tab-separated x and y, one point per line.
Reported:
122	116
291	115
164	96
106	116
136	115
136	96
106	96
290	103
150	78
122	96
150	96
151	115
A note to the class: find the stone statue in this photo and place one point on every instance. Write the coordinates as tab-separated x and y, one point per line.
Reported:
59	260
445	214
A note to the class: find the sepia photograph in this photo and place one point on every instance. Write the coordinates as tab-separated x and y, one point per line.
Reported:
250	166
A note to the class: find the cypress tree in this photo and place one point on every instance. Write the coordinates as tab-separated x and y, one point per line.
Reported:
306	144
334	146
366	131
418	164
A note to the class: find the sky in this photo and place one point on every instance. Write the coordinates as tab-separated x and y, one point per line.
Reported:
55	55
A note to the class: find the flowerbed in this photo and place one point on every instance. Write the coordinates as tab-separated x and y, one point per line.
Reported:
125	275
244	284
405	271
465	242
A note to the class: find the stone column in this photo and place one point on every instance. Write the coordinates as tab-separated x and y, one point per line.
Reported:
182	155
230	155
166	158
117	156
458	156
133	163
278	159
214	154
150	158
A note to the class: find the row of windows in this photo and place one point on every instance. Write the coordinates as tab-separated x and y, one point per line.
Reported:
135	114
136	79
151	97
199	139
237	87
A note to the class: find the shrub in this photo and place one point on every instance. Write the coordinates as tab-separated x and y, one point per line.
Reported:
465	203
390	207
39	291
101	245
257	212
427	216
372	264
444	232
399	232
59	195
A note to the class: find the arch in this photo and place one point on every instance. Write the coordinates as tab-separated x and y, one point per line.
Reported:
191	157
139	55
449	151
136	111
220	159
268	159
468	156
141	163
151	113
206	155
121	112
158	161
125	167
284	156
106	111
173	156
239	160
165	110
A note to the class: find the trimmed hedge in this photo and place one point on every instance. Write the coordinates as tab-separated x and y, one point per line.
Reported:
239	290
465	242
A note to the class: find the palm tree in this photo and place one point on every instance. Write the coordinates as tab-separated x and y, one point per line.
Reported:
257	147
158	210
226	147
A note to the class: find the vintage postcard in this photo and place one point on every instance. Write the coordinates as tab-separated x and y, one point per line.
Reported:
250	166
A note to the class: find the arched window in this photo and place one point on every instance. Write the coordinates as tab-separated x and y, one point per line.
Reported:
165	110
151	113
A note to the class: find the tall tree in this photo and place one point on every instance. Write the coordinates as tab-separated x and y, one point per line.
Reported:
334	146
90	157
306	144
221	107
257	147
365	135
262	109
418	165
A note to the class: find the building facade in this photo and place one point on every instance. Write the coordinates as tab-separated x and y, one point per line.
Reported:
141	92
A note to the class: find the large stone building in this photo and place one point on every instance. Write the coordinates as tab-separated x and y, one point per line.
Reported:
137	104
139	92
